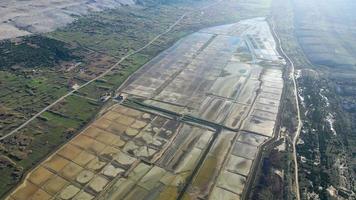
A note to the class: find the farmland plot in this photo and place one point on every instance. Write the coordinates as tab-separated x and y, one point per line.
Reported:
190	127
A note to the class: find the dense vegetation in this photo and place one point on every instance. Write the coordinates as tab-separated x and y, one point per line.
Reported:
33	51
326	149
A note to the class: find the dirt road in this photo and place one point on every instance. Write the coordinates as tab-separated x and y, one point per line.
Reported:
107	71
297	133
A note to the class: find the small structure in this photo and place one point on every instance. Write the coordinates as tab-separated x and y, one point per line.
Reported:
105	97
120	97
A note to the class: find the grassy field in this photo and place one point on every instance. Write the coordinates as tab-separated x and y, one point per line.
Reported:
115	78
22	95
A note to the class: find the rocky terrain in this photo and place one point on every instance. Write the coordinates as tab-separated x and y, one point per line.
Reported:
23	17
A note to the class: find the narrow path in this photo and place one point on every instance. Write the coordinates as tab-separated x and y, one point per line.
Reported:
299	127
85	97
107	71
